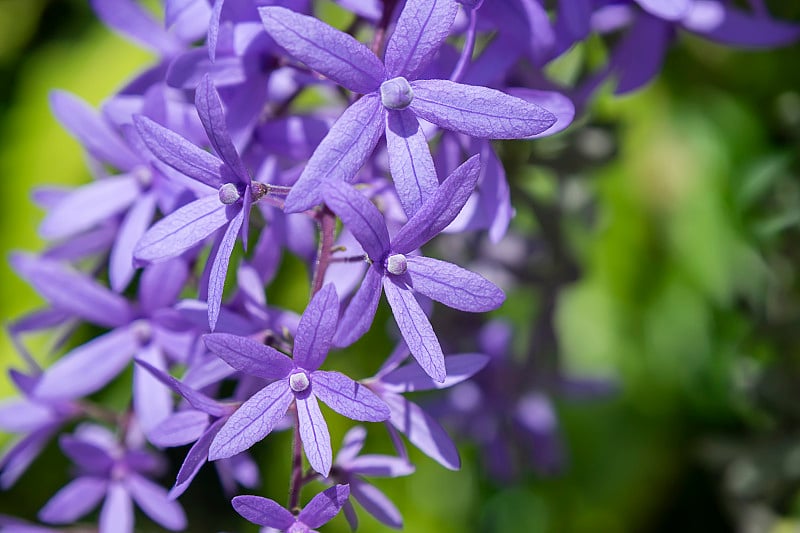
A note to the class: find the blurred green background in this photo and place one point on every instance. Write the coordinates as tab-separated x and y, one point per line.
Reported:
679	207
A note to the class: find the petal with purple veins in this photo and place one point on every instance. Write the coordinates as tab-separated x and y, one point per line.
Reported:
410	160
478	111
421	29
249	356
183	229
253	421
342	152
347	397
416	328
324	506
360	312
332	53
263	512
316	329
452	285
314	434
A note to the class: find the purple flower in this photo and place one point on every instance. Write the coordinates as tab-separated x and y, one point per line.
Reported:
398	272
199	424
231	193
393	100
36	420
348	469
321	509
142	330
297	381
117	474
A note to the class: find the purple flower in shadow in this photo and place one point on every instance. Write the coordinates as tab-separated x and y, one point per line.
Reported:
295	381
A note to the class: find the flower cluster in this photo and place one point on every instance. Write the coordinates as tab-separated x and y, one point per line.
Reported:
210	150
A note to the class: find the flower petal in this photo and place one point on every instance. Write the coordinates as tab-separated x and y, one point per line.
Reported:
90	367
179	429
219	268
410	378
380	466
195	459
155	503
423	431
478	111
347	397
182	229
93	132
440	209
152	402
133	227
734	27
410	160
452	285
263	512
352	443
342	152
73	501
316	329
671	10
196	399
332	53
71	291
212	115
376	503
314	434
360	312
89	206
421	29
116	516
360	216
253	421
249	356
416	328
324	506
179	153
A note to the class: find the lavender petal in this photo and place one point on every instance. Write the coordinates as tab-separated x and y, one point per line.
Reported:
416	329
410	160
348	398
376	503
478	111
341	153
452	285
212	115
263	512
178	153
420	31
153	500
410	378
133	227
89	206
316	329
219	268
116	516
182	229
73	501
90	367
253	421
423	431
249	356
324	506
179	429
332	53
360	312
439	210
314	434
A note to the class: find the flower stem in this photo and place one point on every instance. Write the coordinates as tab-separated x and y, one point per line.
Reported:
327	226
297	465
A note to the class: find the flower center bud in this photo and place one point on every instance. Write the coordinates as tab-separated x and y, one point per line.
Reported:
298	527
298	381
229	194
143	175
396	264
396	93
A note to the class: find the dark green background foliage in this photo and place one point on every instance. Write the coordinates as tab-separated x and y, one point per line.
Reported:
665	226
